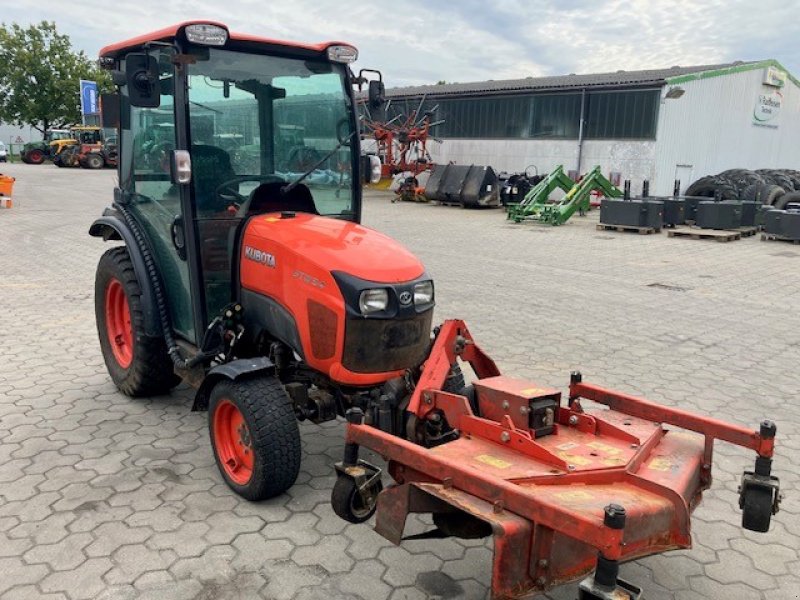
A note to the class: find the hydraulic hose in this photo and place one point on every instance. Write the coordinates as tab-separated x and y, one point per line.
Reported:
158	292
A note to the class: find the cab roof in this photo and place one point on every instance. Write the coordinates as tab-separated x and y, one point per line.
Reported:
173	31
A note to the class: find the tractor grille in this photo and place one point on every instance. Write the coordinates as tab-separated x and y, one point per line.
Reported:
381	345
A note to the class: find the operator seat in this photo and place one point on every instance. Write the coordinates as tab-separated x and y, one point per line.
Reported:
211	166
267	198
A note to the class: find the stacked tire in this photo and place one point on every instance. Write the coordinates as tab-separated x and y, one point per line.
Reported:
774	187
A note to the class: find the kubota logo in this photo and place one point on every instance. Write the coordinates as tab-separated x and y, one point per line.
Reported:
405	298
259	256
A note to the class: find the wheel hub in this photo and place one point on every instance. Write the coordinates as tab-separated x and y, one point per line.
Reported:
233	442
118	323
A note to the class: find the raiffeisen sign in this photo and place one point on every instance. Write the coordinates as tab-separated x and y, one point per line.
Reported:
767	109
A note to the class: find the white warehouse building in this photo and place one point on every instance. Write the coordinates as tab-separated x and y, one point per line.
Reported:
658	125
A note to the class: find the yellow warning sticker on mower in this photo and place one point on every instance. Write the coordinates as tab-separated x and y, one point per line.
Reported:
605	448
573	496
534	391
497	463
660	463
574	459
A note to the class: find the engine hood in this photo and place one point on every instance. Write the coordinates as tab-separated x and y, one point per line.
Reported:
337	245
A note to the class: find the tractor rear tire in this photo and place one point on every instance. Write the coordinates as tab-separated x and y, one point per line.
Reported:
788	198
138	364
769	193
255	436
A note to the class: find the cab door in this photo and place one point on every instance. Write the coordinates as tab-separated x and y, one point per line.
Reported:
148	138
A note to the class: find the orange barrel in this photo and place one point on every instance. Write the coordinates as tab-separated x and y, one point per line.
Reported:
6	187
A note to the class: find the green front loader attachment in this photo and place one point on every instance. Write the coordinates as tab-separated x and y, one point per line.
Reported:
536	206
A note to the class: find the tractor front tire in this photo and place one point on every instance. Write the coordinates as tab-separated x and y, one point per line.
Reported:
138	364
35	157
93	161
255	436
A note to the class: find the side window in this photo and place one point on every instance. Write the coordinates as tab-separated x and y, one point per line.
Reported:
149	142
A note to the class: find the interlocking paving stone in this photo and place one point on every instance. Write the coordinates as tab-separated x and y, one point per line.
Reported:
103	496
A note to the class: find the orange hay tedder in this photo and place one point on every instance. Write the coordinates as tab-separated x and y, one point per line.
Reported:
244	271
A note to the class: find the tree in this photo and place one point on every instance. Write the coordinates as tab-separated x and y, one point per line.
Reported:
39	76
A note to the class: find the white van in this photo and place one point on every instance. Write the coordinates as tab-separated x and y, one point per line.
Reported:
3	153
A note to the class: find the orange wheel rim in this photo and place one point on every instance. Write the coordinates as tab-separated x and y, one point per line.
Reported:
118	323
233	442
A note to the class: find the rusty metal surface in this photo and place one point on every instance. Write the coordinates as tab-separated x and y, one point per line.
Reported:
558	484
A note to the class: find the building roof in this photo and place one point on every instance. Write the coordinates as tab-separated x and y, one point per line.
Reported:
647	77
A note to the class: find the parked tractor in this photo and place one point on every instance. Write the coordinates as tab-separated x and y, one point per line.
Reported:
57	140
35	153
254	282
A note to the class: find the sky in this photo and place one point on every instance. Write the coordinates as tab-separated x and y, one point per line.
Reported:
424	41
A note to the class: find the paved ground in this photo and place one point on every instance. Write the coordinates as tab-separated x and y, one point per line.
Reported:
103	496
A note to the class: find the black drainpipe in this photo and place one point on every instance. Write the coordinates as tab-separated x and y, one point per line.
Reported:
580	130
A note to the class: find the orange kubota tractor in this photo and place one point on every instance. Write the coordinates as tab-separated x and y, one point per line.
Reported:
245	273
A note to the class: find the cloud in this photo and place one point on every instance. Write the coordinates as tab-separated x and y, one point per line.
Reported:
423	41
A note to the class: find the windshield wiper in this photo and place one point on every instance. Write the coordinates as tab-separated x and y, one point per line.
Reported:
290	186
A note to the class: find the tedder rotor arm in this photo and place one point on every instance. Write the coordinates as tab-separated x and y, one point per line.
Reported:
566	491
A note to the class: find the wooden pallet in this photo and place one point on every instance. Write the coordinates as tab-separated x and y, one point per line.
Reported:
778	238
639	230
694	233
748	230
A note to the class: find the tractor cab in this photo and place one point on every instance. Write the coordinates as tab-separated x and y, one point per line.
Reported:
215	127
78	135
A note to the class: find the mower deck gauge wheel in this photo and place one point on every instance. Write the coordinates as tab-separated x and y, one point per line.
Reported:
350	503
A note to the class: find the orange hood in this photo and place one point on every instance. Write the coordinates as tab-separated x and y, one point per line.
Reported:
336	245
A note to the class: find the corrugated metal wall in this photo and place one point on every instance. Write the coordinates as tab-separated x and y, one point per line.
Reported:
634	159
710	129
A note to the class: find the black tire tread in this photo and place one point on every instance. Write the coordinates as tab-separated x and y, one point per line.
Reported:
769	193
341	500
787	198
151	372
94	161
270	416
757	510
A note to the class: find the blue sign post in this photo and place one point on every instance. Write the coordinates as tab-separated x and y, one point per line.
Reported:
90	102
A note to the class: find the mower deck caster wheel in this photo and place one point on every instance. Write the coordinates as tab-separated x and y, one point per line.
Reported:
355	493
757	506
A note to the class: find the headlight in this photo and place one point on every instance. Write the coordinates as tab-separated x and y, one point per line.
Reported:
342	54
206	34
423	292
371	301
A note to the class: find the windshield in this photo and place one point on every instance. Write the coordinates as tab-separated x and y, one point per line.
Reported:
258	119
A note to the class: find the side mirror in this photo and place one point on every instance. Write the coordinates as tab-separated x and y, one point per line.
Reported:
109	110
377	94
142	80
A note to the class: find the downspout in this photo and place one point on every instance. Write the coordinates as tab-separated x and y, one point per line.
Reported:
580	131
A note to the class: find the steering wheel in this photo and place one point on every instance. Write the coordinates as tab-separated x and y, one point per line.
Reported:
226	191
302	158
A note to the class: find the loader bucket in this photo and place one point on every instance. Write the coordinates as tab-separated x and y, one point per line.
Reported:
470	186
434	182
